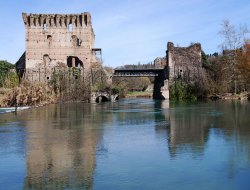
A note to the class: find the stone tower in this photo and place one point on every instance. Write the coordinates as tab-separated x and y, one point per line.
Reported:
57	41
184	63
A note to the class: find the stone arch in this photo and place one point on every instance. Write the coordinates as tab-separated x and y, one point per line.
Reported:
49	38
114	97
73	61
117	97
101	98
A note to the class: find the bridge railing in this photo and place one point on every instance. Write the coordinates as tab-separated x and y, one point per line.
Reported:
140	67
135	74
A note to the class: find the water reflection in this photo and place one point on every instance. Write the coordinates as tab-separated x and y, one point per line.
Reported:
98	146
189	128
61	146
192	125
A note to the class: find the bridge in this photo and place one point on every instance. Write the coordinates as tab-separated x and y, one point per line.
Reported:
97	97
161	74
145	70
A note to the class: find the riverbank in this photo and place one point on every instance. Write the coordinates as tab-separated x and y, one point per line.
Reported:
13	109
27	94
139	94
230	96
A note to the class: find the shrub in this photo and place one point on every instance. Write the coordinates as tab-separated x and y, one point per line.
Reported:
5	67
180	92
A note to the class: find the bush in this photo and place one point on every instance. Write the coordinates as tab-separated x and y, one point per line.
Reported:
115	90
5	67
27	95
182	92
11	80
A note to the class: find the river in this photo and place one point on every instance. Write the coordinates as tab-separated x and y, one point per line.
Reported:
130	144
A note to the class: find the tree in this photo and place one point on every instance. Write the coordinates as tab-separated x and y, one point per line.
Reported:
5	67
234	40
243	59
11	79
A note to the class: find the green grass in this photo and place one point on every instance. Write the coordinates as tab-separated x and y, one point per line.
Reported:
138	94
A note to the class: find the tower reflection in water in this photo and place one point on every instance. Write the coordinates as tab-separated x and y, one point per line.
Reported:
61	146
63	140
194	127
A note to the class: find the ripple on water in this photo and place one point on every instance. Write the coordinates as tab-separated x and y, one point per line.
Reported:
215	113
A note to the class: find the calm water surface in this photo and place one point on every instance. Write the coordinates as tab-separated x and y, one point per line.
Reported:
131	144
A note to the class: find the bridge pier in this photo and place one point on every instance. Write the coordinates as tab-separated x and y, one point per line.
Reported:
161	86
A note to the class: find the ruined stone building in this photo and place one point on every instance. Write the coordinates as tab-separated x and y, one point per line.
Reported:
56	41
184	63
160	62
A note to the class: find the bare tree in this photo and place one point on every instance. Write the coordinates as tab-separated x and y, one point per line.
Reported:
234	39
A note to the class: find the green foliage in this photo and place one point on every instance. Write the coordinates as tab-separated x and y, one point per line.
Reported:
5	67
69	86
115	90
11	80
204	59
126	84
102	87
180	92
176	91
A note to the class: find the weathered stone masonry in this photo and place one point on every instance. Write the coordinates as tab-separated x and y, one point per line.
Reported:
57	41
184	63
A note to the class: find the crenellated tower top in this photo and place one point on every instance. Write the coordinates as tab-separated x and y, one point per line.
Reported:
57	20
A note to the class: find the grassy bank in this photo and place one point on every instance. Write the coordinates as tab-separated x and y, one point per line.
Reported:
139	94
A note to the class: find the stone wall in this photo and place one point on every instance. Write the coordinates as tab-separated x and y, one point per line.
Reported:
184	63
160	62
57	40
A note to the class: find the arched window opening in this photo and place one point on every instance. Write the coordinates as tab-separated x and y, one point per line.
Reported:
73	61
49	38
46	59
79	42
79	63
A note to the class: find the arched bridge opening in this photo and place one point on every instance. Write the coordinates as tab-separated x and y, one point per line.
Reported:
101	98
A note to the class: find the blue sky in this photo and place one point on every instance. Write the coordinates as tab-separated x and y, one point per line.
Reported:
129	31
